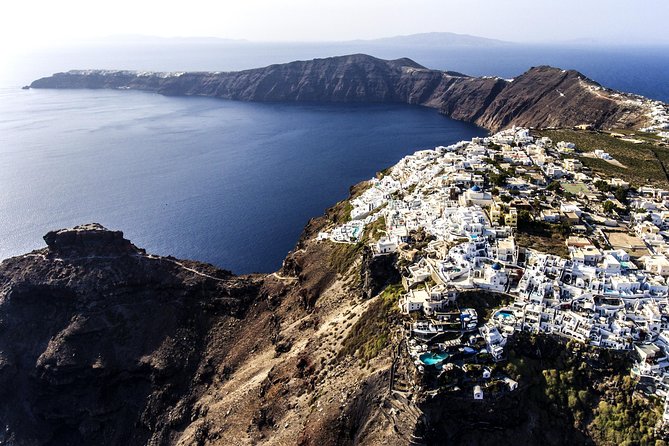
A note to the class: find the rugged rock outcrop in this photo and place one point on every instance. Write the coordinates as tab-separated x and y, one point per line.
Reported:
541	97
102	344
549	97
377	272
90	239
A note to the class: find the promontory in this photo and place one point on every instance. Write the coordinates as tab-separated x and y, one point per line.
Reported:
541	97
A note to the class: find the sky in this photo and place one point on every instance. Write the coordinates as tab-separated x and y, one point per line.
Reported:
43	23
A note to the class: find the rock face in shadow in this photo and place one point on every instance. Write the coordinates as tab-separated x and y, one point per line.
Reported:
102	344
541	97
377	272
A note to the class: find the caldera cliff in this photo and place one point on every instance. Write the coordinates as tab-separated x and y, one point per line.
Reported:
541	97
102	343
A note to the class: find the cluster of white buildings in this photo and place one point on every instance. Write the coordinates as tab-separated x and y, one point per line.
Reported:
610	291
605	301
659	117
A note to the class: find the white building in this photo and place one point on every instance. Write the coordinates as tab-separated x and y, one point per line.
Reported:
478	392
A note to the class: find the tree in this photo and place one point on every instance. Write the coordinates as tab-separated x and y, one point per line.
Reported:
608	206
555	188
499	179
602	186
506	198
621	195
524	219
564	227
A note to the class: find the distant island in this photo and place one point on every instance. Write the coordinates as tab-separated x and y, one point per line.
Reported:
433	39
539	98
437	38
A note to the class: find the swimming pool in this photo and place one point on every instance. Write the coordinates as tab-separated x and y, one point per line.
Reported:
469	351
432	358
504	314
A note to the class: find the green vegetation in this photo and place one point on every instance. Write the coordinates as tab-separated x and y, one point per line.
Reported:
506	198
341	212
608	206
585	387
374	231
483	302
344	255
644	162
619	192
554	186
384	172
546	237
371	333
625	418
345	212
561	391
498	179
575	188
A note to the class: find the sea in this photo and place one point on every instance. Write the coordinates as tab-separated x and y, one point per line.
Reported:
225	182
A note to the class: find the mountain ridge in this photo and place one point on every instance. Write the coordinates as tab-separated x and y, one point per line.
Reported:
435	38
541	97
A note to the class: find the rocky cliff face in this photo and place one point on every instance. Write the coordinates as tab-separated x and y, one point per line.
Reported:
549	97
101	343
541	97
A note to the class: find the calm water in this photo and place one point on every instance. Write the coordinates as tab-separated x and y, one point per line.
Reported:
225	182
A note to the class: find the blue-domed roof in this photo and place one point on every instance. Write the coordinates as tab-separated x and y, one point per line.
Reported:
496	266
475	188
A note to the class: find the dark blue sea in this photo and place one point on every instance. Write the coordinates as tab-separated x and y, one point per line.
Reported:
220	181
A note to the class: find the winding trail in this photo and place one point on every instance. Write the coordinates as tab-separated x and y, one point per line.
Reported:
145	256
181	265
280	277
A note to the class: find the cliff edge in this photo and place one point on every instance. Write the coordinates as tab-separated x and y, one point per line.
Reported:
541	97
102	343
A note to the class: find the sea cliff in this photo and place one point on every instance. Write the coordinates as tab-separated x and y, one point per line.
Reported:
541	97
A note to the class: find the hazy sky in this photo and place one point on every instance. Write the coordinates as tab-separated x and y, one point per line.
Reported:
45	22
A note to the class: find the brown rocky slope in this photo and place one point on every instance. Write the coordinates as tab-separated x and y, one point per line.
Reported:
101	343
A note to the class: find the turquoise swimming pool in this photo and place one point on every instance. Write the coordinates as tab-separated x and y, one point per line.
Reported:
505	314
432	358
